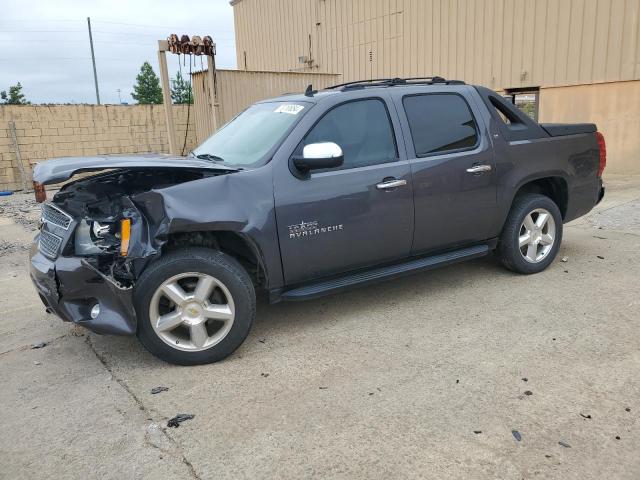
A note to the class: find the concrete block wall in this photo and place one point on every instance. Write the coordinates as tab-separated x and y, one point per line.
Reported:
50	131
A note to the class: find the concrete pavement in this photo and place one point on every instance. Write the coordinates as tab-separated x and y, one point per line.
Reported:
388	381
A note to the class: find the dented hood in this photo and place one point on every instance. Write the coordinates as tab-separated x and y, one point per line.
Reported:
61	169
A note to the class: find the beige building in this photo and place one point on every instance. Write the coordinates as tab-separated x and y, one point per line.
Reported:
565	60
237	89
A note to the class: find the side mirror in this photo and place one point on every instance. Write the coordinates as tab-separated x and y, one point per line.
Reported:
316	156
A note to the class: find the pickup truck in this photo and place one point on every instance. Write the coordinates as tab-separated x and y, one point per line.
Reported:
305	195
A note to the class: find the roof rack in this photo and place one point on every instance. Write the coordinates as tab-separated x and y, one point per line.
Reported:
391	82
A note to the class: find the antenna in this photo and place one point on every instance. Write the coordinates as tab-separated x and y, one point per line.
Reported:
309	92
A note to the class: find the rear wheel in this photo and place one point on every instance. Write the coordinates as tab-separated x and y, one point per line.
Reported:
532	234
194	306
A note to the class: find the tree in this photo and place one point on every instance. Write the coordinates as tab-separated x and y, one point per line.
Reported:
15	97
181	90
147	88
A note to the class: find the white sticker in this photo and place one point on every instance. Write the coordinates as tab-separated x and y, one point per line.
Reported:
289	108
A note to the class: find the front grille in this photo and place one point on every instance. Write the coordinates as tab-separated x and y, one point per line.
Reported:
49	244
53	215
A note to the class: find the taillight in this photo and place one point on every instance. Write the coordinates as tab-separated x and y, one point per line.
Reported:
602	146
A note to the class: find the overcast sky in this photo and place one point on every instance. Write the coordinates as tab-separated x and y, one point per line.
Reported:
45	44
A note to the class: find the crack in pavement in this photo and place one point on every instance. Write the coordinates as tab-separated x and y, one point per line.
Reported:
626	202
179	452
603	229
27	347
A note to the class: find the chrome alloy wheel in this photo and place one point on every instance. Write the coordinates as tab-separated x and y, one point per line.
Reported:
192	311
537	235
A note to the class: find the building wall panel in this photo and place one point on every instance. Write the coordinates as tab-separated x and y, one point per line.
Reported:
238	89
497	43
613	107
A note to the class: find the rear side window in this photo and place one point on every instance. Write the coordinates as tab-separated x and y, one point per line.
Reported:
362	129
440	123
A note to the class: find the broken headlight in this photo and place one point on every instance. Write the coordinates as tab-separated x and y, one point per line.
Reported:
94	237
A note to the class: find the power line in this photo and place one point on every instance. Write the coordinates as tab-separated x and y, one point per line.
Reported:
13	20
178	27
139	25
47	59
137	34
110	42
55	59
42	31
220	38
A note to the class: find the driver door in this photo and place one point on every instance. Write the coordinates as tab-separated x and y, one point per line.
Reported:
347	217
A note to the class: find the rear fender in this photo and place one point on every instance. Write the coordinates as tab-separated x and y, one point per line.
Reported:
511	190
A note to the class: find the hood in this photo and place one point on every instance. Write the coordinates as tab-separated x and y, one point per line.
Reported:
61	169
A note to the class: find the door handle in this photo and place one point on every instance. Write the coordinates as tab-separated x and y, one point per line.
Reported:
479	169
389	184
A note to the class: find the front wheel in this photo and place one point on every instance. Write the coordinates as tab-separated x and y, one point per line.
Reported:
194	306
531	235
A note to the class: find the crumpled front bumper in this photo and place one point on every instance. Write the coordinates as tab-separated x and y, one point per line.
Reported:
70	287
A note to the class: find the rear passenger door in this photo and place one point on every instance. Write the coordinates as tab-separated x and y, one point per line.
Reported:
452	166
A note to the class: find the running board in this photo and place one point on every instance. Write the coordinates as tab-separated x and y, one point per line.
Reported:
383	273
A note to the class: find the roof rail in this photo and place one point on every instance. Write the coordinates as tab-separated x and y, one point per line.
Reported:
391	82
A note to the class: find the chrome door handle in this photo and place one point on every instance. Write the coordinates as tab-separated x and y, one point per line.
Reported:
479	169
391	184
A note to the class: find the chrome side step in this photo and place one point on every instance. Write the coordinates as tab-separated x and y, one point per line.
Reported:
381	273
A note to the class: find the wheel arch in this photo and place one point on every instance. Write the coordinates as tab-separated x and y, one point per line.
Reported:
237	244
553	186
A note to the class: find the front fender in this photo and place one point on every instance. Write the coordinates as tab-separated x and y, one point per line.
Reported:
240	202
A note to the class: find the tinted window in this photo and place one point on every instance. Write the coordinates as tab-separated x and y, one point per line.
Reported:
362	129
440	123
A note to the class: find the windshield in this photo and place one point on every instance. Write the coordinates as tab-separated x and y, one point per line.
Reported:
246	139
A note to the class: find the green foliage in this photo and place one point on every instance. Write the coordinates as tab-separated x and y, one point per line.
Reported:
15	96
147	88
529	108
181	90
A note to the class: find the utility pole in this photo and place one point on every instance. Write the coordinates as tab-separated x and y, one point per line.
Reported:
166	96
93	59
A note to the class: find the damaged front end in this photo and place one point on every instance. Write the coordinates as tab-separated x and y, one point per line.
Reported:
94	241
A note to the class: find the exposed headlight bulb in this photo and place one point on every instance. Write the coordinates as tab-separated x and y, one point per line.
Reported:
83	242
100	230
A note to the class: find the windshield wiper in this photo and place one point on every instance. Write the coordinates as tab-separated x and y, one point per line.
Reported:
209	156
215	158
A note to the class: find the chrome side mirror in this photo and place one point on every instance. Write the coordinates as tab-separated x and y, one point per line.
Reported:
316	156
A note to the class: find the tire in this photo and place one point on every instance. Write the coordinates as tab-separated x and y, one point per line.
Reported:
194	306
520	259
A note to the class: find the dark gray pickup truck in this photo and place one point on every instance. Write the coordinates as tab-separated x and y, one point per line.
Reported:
305	195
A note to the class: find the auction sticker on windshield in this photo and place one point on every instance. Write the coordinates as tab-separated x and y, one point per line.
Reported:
289	108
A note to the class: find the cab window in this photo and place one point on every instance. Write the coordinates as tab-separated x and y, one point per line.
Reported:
363	130
440	123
